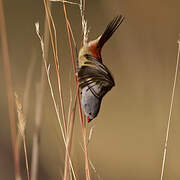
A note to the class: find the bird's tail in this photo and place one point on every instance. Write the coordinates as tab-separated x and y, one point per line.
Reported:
110	29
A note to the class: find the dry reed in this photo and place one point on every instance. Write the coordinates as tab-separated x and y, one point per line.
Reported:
21	128
40	87
170	112
9	88
87	170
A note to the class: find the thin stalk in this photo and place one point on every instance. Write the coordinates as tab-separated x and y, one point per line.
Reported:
54	48
70	137
9	88
170	112
80	109
70	124
66	162
36	133
26	158
21	129
39	102
25	102
47	68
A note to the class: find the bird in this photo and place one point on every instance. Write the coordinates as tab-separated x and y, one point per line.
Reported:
94	78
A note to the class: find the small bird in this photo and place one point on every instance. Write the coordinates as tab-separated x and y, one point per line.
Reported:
95	79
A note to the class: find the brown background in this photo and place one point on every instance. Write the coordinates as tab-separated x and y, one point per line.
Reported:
128	138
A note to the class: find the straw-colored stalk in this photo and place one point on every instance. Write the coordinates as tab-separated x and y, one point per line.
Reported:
21	128
39	105
47	68
9	88
87	170
170	111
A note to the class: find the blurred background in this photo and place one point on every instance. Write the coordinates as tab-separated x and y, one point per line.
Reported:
129	134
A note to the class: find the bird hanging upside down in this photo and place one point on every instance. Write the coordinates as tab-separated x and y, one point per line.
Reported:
95	80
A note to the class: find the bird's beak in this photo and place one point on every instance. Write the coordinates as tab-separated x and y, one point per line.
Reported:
88	119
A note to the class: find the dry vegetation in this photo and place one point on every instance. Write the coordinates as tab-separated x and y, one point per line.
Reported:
66	121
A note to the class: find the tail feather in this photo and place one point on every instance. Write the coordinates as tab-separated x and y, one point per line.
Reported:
110	29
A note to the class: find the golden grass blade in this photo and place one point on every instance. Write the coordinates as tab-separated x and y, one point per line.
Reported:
66	162
90	134
47	68
80	109
26	93
170	112
68	2
22	127
54	48
91	164
39	104
9	88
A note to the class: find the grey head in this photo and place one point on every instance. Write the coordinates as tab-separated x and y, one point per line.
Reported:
90	102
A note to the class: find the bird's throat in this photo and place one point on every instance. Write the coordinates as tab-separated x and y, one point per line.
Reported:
96	52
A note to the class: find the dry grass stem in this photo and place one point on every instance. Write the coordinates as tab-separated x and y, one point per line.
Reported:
94	169
80	109
39	104
90	134
70	123
36	134
91	164
84	22
21	127
47	68
68	2
66	164
26	93
170	112
9	88
54	48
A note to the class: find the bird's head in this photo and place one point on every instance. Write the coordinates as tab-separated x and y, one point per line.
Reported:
90	103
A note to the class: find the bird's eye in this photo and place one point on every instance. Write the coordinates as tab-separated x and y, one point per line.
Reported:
90	113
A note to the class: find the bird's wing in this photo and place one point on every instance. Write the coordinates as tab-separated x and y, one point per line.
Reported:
95	73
